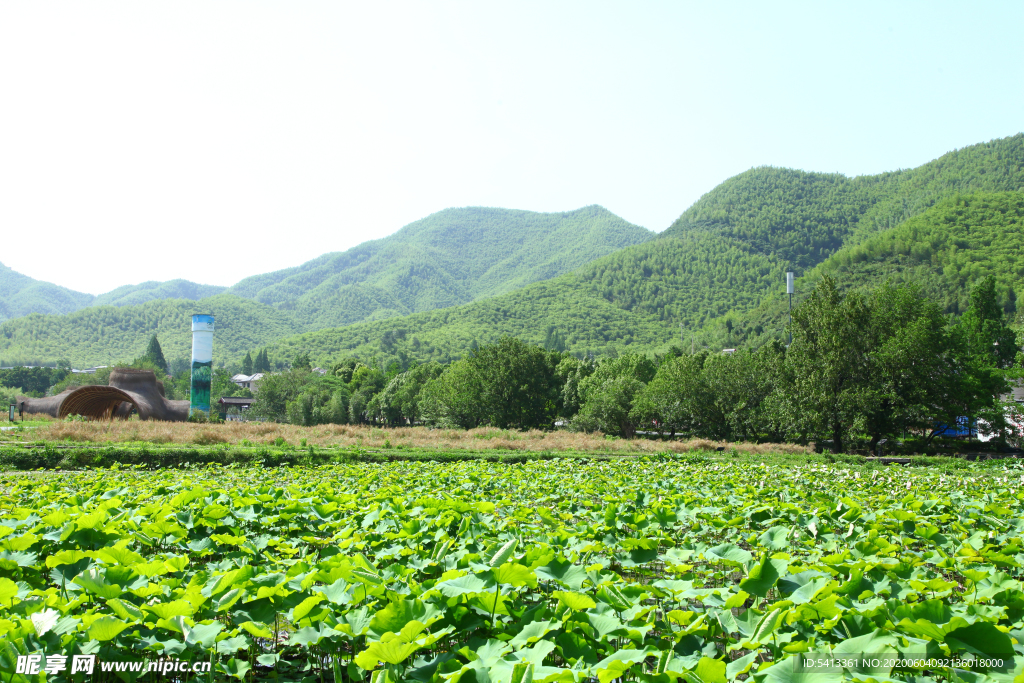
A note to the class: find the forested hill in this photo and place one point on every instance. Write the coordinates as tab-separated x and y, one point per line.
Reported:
724	258
801	218
448	258
453	256
131	295
21	295
102	335
944	250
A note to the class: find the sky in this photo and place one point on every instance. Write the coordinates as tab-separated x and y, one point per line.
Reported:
216	140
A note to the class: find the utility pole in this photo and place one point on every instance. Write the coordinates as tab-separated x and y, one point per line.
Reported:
789	290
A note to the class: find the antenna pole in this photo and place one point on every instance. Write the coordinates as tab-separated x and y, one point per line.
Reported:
791	317
789	290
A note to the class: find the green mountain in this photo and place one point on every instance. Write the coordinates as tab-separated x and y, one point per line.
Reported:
101	335
21	295
944	250
713	272
724	257
448	258
132	295
801	218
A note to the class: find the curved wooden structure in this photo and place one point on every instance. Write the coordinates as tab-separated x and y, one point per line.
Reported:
98	403
129	391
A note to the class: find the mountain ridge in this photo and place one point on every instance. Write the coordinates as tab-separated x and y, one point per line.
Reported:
449	257
725	256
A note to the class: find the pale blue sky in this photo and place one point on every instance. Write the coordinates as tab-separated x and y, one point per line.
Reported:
223	139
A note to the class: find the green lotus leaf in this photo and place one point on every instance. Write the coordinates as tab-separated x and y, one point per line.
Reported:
105	628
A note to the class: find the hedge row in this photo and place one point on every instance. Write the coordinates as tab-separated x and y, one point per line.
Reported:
51	458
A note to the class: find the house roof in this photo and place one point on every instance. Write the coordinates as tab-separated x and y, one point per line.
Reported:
236	401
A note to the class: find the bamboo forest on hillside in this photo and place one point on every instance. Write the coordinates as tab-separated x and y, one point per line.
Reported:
723	259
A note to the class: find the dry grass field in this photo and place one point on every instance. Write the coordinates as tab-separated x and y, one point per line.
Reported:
365	436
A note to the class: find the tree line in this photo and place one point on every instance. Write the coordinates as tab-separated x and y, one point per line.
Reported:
862	367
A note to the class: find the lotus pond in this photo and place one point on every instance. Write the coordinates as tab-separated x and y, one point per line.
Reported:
561	570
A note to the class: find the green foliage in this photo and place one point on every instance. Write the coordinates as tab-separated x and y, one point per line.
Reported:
104	334
507	384
726	255
276	391
415	571
945	250
34	381
607	394
830	362
9	395
323	400
446	259
724	258
247	367
732	397
865	364
519	385
134	295
399	401
802	217
155	355
262	362
301	362
21	295
455	398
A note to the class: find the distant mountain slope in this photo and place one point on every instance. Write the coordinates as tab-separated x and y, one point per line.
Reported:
132	295
945	250
723	258
21	295
801	217
108	334
448	258
453	256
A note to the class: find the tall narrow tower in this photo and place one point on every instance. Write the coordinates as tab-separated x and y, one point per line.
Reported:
202	363
789	290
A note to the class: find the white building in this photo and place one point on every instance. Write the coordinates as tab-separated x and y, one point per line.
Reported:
247	381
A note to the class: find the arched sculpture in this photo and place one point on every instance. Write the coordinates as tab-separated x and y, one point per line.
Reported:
128	391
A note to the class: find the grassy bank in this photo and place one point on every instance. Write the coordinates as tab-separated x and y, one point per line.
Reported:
247	434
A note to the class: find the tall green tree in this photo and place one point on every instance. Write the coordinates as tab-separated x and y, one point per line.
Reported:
571	372
400	398
830	362
155	355
678	398
510	384
983	350
610	392
520	387
262	362
455	398
908	355
247	364
276	391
